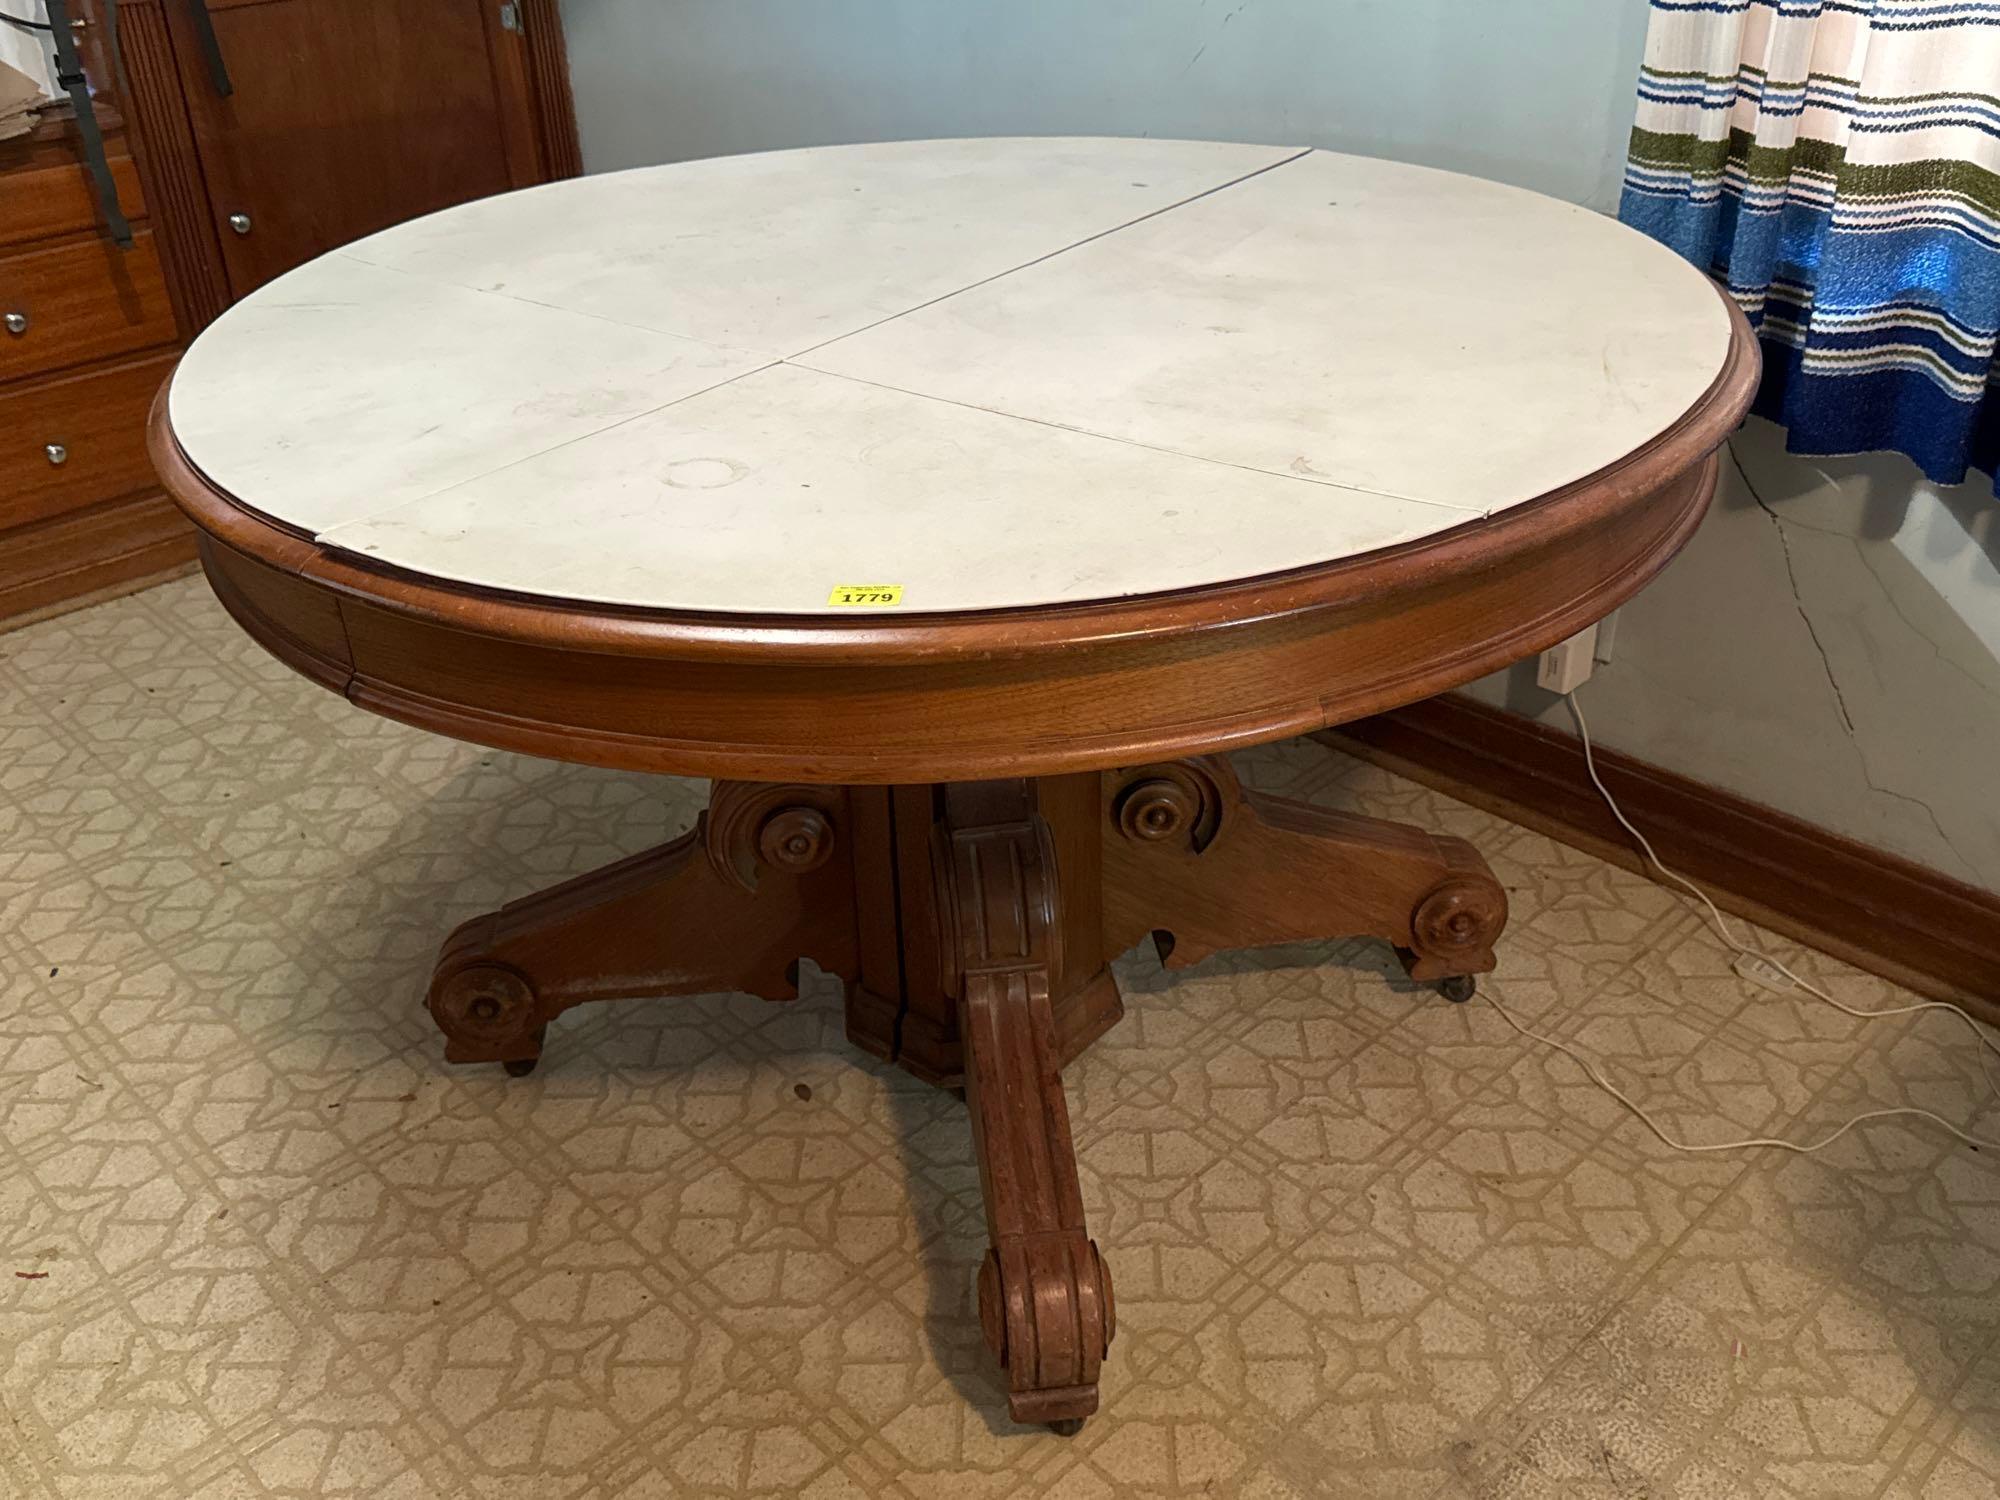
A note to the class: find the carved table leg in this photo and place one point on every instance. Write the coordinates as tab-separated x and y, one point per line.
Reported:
1020	893
1204	865
732	906
1044	1293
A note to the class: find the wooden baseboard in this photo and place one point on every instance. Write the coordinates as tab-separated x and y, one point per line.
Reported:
94	554
1880	912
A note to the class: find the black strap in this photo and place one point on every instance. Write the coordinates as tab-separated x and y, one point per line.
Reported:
69	74
211	49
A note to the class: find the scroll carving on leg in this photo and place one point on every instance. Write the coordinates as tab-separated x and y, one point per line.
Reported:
760	883
1044	1294
1204	865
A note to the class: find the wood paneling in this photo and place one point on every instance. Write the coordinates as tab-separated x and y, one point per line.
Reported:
1880	912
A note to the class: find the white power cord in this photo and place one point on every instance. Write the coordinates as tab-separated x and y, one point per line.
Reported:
1986	1043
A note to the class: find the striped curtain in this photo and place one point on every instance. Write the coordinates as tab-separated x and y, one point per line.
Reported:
1836	163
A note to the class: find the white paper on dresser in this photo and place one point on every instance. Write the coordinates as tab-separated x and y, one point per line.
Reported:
27	78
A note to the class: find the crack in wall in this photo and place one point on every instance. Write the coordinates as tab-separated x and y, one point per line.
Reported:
1798	599
1874	568
1778	524
1889	598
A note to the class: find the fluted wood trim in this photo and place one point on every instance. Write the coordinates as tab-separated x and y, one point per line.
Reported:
171	168
555	105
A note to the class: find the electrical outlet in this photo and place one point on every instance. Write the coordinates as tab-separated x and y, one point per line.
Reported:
1565	667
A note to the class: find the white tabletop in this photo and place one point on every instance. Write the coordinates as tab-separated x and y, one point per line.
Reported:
985	373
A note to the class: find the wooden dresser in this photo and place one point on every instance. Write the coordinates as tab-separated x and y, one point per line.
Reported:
89	334
340	118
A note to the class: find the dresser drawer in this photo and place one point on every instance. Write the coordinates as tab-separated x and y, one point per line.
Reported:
52	193
69	443
81	302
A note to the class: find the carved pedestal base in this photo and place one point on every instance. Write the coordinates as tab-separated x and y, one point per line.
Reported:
973	925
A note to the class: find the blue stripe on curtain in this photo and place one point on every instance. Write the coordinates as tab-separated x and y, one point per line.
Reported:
1859	231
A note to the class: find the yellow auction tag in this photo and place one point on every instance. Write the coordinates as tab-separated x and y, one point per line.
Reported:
866	595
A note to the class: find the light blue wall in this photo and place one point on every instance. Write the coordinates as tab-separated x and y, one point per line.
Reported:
1536	92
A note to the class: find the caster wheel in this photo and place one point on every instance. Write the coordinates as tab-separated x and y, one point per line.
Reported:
1459	988
520	1067
1067	1427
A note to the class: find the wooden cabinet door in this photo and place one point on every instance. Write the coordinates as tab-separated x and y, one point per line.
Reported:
348	116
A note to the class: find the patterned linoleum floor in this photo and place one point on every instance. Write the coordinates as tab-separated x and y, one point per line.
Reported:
256	1238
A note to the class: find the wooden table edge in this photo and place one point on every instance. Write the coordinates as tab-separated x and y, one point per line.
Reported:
1318	644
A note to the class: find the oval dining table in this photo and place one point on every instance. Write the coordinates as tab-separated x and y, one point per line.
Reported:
956	506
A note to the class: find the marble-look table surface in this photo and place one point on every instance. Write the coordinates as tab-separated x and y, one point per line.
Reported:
989	373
